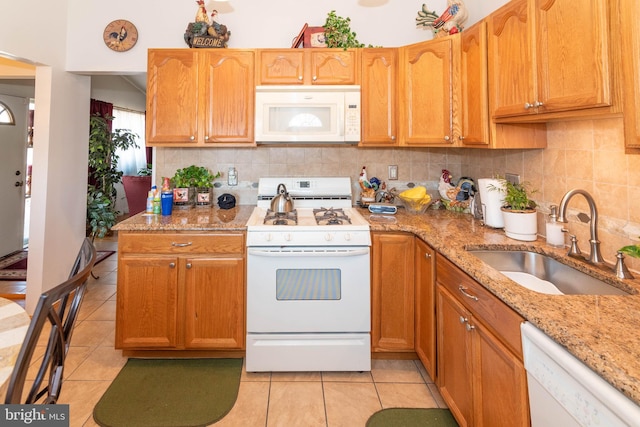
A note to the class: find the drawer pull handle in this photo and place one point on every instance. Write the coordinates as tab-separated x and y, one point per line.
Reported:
181	245
172	265
466	294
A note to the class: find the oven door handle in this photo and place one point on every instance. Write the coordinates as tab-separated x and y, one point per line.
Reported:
307	252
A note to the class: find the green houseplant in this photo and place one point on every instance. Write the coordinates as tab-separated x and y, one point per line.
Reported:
337	32
191	183
518	211
103	173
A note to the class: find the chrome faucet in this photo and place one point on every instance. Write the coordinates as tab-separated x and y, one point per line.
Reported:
595	257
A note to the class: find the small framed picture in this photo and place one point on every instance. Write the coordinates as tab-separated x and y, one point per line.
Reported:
314	37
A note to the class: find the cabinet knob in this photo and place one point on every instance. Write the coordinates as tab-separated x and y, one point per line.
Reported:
528	105
538	104
188	265
206	138
172	265
470	327
300	78
463	319
447	138
427	255
393	137
315	78
192	138
461	138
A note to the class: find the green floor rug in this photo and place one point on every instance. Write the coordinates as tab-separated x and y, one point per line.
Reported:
170	393
412	417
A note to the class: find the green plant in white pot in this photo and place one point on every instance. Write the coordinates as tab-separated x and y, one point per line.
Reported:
519	211
193	185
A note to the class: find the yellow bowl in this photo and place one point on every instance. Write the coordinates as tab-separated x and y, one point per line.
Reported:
416	206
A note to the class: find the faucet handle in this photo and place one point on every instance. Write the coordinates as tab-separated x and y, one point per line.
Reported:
621	270
574	250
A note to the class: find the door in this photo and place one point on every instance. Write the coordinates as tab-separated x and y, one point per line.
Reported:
13	138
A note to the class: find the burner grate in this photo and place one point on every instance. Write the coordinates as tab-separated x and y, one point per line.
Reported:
281	218
331	216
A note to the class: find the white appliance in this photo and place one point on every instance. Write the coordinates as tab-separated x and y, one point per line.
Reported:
491	200
564	392
308	280
316	114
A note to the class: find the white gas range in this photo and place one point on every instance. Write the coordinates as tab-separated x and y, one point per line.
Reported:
308	280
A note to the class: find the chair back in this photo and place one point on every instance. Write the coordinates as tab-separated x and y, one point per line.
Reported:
57	307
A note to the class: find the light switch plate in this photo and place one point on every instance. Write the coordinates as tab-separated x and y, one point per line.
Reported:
393	172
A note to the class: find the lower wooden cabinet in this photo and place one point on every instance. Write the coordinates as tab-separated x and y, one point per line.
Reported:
425	296
392	292
180	291
481	375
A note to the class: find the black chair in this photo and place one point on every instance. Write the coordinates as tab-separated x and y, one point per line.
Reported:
59	307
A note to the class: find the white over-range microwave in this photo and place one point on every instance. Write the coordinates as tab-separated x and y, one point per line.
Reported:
314	114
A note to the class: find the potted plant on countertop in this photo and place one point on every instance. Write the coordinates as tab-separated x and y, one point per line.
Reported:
519	211
193	186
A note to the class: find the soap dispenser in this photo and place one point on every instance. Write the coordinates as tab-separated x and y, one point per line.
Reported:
555	235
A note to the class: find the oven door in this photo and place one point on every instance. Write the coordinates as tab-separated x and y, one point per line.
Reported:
308	289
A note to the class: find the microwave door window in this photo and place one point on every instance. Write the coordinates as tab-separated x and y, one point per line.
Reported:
314	120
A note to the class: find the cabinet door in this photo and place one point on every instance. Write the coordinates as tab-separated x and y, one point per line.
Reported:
630	16
426	115
228	83
474	111
511	63
333	66
454	357
281	67
425	306
214	298
573	72
172	96
147	302
392	294
379	97
500	382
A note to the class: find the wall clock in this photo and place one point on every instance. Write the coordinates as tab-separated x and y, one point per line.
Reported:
120	35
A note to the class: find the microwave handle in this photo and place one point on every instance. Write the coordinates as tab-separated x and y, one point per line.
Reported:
340	113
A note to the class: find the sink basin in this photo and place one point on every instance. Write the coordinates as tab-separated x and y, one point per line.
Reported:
544	274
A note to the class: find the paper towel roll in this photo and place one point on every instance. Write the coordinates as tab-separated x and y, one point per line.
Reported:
492	200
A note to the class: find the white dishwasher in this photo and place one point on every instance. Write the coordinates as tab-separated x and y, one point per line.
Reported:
565	392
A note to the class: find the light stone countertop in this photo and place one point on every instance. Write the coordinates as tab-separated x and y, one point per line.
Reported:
601	331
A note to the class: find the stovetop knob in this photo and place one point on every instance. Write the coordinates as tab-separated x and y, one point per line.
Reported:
328	237
347	237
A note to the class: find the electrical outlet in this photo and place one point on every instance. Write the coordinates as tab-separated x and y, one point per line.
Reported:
512	178
393	172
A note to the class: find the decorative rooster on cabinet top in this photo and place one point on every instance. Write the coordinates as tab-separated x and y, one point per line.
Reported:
451	21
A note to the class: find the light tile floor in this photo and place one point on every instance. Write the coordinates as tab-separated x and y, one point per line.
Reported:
329	399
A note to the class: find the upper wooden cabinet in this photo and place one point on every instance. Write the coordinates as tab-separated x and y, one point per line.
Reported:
630	33
198	97
549	56
428	74
379	97
308	66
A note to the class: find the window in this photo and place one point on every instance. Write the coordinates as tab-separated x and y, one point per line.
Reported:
6	116
134	159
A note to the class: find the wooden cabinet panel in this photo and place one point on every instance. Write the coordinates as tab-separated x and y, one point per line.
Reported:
172	96
228	81
379	97
200	96
214	303
392	292
425	315
308	66
180	291
426	91
630	34
147	307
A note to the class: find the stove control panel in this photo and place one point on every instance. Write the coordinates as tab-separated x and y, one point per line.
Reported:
308	238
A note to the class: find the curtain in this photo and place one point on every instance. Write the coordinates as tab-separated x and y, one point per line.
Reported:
102	108
134	159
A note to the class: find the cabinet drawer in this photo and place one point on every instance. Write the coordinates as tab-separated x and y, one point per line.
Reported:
181	243
488	308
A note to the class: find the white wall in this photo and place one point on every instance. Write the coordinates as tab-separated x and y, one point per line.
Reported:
253	23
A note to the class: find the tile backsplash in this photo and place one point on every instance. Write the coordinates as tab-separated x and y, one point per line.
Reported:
587	154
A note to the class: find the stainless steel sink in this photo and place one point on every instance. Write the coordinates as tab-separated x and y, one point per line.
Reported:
542	273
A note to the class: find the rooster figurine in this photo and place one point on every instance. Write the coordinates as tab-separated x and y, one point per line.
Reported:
451	21
445	187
